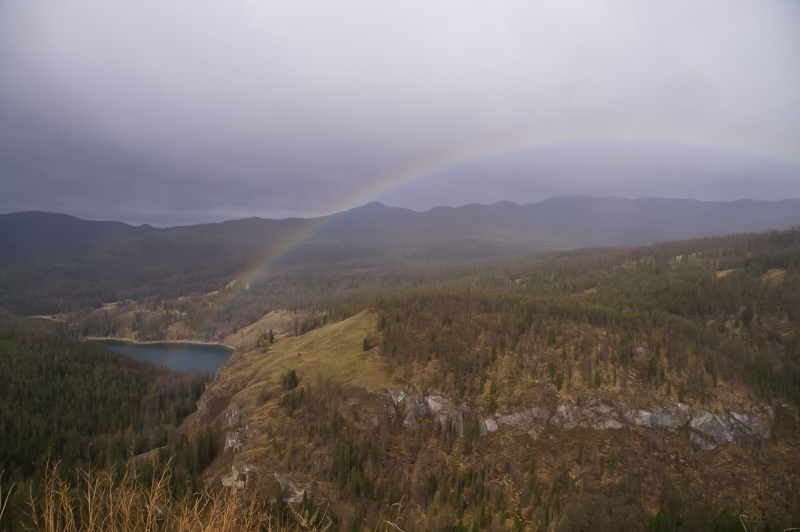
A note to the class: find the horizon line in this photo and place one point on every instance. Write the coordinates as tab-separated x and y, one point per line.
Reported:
337	213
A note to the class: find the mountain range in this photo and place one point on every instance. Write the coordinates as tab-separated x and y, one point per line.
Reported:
49	257
556	223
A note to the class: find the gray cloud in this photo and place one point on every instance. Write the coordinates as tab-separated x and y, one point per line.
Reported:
178	111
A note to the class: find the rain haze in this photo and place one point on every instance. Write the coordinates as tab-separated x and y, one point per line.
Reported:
182	112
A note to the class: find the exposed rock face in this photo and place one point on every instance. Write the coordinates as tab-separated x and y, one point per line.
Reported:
232	442
242	431
202	405
488	425
410	422
709	429
458	425
231	416
732	427
717	427
670	417
429	406
239	476
541	413
745	425
568	416
595	415
421	407
291	493
396	395
701	442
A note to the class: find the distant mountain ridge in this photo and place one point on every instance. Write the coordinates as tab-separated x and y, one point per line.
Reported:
45	230
572	222
48	261
556	223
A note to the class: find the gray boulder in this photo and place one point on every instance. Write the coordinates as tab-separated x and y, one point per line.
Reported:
716	426
606	424
747	426
701	442
567	416
670	417
679	415
640	418
521	420
540	413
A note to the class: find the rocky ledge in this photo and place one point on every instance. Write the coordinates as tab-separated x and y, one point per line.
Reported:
707	430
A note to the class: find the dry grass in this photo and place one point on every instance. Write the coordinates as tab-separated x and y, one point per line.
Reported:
4	502
775	275
100	504
252	381
332	352
280	321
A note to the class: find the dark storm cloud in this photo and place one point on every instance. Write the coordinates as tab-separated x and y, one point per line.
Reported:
178	112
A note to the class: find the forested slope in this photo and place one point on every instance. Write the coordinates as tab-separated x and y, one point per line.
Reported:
649	388
81	404
589	390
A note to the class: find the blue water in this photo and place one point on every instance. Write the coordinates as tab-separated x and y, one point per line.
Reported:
181	357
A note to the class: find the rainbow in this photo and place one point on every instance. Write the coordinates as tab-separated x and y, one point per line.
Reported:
469	155
461	157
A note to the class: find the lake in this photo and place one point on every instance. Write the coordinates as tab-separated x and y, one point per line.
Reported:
176	356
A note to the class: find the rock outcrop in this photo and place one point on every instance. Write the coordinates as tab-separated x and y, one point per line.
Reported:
239	476
241	430
242	474
449	416
721	428
707	430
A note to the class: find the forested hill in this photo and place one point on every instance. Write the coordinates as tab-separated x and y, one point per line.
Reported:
50	263
25	231
76	402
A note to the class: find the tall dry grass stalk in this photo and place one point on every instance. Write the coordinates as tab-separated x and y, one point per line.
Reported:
98	503
4	502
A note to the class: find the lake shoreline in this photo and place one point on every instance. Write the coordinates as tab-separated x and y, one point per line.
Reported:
177	356
152	342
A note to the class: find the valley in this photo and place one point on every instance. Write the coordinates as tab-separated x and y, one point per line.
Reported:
652	387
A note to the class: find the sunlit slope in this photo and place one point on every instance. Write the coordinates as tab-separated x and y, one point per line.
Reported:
246	398
334	351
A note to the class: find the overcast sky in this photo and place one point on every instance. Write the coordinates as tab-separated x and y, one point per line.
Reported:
174	112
